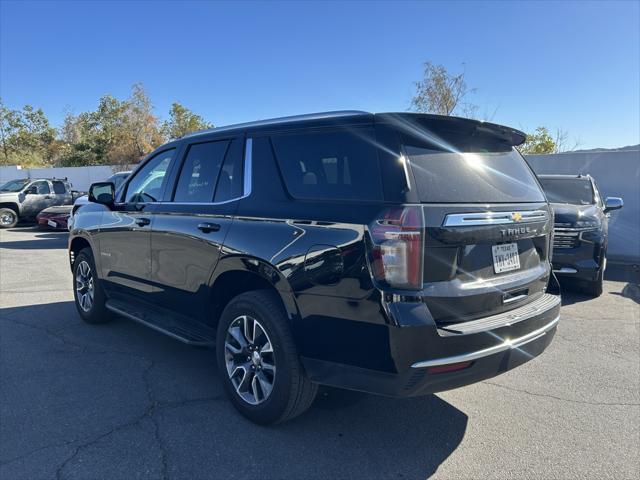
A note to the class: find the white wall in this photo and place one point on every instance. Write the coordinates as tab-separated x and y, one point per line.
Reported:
617	175
80	177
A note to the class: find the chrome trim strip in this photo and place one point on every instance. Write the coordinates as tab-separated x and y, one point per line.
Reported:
492	218
248	159
515	299
565	270
504	346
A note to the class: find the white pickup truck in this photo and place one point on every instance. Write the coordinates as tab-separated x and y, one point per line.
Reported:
24	198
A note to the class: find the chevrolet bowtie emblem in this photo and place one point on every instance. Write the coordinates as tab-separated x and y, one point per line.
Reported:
516	216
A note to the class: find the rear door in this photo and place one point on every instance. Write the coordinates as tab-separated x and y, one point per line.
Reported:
190	225
125	233
487	225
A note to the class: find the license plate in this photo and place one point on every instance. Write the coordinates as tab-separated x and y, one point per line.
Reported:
51	223
505	257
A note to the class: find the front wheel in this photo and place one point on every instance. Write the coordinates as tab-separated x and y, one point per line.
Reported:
258	361
595	288
8	218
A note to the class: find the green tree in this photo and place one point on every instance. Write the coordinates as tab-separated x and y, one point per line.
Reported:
26	137
539	142
442	93
9	125
183	121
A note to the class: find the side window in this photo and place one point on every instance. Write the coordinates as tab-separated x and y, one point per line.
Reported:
42	188
230	180
146	185
58	187
337	165
199	173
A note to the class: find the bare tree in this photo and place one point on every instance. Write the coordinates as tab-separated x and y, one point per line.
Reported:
442	93
563	143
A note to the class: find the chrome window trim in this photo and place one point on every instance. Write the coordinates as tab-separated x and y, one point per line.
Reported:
246	186
492	218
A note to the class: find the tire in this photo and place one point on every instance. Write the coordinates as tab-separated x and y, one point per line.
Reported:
92	309
8	218
291	392
594	289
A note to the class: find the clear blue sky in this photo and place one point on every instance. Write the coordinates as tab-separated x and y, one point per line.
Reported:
574	65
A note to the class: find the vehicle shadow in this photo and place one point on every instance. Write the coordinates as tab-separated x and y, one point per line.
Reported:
571	293
631	291
343	435
45	240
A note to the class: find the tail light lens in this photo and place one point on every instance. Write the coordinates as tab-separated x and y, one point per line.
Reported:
397	247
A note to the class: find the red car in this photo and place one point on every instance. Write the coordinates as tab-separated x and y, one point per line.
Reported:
54	217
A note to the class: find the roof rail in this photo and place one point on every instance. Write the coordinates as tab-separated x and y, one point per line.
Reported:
275	121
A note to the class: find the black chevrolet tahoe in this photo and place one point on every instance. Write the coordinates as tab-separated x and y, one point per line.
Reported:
581	229
397	254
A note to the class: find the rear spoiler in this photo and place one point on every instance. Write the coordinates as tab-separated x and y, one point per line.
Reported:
442	126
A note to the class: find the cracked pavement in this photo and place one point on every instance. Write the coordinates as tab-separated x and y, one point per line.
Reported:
120	401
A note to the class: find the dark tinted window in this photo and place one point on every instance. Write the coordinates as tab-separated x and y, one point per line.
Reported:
146	184
472	176
42	188
577	191
200	170
58	187
339	165
230	179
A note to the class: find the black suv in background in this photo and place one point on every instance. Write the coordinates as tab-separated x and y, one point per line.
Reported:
397	254
580	230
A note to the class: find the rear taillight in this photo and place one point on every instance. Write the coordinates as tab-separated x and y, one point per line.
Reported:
397	247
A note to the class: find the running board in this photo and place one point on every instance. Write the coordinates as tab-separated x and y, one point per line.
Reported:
174	325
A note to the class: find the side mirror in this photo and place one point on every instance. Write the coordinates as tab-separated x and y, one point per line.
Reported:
612	203
31	191
103	193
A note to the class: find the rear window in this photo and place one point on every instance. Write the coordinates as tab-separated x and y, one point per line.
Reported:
336	165
576	191
480	176
58	187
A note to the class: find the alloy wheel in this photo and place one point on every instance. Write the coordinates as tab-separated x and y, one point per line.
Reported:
250	359
84	286
7	218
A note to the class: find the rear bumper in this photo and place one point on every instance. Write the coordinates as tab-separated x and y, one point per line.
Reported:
419	346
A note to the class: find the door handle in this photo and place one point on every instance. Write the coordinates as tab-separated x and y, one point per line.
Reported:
143	222
207	227
48	197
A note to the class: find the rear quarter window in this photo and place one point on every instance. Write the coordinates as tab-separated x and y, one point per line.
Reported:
330	165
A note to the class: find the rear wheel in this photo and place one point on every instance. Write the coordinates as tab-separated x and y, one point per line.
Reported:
258	361
8	218
87	291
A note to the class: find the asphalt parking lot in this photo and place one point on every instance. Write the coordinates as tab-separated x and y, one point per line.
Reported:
121	401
